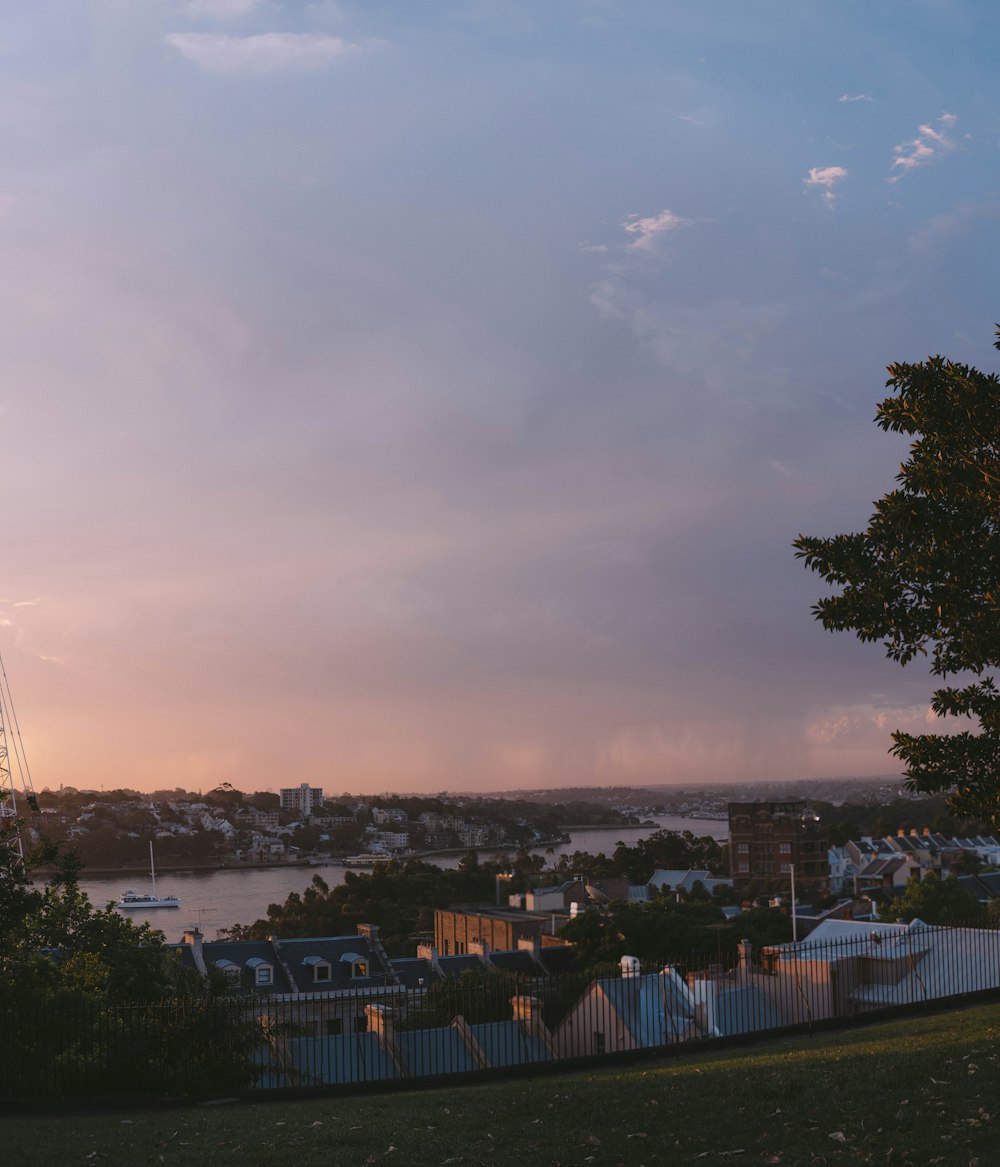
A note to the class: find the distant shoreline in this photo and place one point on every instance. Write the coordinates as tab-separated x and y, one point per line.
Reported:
165	868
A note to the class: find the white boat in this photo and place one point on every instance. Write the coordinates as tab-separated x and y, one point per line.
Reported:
368	859
140	899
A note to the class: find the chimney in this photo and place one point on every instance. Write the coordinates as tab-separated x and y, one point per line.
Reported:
927	832
381	1023
901	833
193	937
745	949
528	1014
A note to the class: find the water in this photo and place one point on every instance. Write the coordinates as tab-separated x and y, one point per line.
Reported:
219	899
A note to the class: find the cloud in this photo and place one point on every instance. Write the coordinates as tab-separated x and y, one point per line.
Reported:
647	230
854	97
824	178
931	142
863	726
267	52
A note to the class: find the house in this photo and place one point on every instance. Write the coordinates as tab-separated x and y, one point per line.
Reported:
390	1048
846	967
319	984
632	1011
728	1003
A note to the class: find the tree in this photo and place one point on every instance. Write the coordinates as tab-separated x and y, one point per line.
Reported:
924	577
933	900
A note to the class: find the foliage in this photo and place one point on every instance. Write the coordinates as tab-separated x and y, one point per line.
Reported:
671	851
664	931
924	577
93	1003
55	945
933	900
398	896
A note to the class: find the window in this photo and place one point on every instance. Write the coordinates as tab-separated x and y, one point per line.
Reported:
321	970
598	1041
361	1024
231	970
743	848
785	848
263	973
334	1026
786	868
357	964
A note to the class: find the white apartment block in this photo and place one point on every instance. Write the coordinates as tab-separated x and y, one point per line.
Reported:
302	800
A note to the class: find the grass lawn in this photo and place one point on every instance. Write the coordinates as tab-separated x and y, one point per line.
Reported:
913	1092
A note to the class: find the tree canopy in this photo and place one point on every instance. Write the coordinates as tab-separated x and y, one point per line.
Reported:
56	946
924	576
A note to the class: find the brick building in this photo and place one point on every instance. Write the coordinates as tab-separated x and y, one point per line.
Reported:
767	840
501	929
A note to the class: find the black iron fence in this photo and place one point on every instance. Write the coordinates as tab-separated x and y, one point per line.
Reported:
484	1020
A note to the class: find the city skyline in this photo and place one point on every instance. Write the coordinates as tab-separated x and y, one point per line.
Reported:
427	397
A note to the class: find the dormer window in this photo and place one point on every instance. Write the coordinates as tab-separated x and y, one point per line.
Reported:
263	973
358	965
321	970
231	970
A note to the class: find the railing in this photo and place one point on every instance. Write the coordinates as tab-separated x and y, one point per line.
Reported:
484	1021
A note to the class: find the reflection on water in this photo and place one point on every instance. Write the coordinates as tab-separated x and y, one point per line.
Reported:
219	899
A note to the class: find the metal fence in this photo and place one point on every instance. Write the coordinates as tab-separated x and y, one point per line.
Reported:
481	1021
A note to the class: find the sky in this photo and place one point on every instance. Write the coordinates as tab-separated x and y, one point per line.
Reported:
426	396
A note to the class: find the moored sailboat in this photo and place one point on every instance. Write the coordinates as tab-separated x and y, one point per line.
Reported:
138	899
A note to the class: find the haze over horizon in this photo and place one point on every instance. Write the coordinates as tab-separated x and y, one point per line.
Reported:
420	397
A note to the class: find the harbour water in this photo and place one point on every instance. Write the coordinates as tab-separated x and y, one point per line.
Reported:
219	899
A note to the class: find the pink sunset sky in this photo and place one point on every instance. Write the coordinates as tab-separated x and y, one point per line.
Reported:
421	397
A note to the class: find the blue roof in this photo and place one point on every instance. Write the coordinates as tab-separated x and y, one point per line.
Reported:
505	1043
557	958
248	955
434	1051
652	1007
342	954
411	970
745	1010
347	1057
517	961
454	966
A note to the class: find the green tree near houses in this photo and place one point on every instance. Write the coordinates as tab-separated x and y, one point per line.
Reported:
933	900
924	576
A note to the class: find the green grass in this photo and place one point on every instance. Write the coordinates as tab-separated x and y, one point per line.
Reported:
916	1092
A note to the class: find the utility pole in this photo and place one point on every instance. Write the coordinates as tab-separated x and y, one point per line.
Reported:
795	927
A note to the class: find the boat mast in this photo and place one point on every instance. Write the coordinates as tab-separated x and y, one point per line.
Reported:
152	869
11	745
